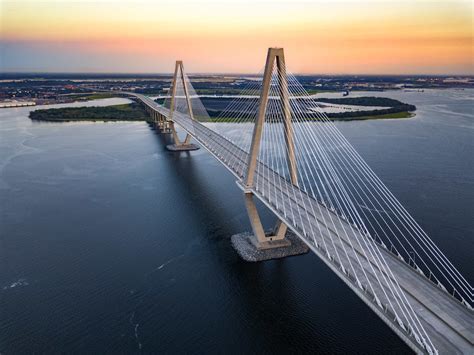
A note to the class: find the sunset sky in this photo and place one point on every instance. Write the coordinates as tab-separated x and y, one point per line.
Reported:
328	37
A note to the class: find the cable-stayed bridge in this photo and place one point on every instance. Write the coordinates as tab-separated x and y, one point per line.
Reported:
284	151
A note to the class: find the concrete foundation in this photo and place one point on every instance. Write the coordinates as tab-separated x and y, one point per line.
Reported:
244	244
182	147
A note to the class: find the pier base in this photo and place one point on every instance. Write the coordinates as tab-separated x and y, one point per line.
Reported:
182	147
249	250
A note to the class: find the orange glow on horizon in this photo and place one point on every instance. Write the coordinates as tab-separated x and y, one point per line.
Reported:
319	37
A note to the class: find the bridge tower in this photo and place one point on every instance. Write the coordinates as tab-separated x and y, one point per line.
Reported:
277	238
178	144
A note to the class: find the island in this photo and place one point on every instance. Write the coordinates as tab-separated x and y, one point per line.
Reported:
373	108
124	112
336	109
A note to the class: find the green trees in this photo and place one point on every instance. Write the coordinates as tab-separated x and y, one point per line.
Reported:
127	112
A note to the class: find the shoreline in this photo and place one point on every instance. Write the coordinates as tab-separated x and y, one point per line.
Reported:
134	113
376	117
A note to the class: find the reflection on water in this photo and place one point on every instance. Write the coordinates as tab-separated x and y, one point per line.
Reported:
110	243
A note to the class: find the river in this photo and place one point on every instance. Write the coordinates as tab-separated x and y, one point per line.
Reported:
110	243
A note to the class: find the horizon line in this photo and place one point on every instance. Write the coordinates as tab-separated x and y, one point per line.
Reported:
227	73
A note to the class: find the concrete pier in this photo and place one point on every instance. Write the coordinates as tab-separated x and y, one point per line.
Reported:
182	147
244	244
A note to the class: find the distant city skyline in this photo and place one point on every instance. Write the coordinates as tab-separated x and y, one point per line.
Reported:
320	37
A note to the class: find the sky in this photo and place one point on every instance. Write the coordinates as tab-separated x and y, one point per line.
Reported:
232	36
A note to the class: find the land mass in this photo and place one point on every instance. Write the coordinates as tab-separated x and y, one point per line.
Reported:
54	88
391	108
351	108
383	108
125	112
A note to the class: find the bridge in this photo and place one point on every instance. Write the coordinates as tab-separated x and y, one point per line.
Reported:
284	151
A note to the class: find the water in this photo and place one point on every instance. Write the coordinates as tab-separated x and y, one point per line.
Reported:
109	243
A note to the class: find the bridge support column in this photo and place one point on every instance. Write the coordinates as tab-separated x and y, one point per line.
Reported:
272	239
160	122
279	242
178	144
165	124
274	56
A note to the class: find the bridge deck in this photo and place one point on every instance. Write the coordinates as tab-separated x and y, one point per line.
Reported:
448	324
